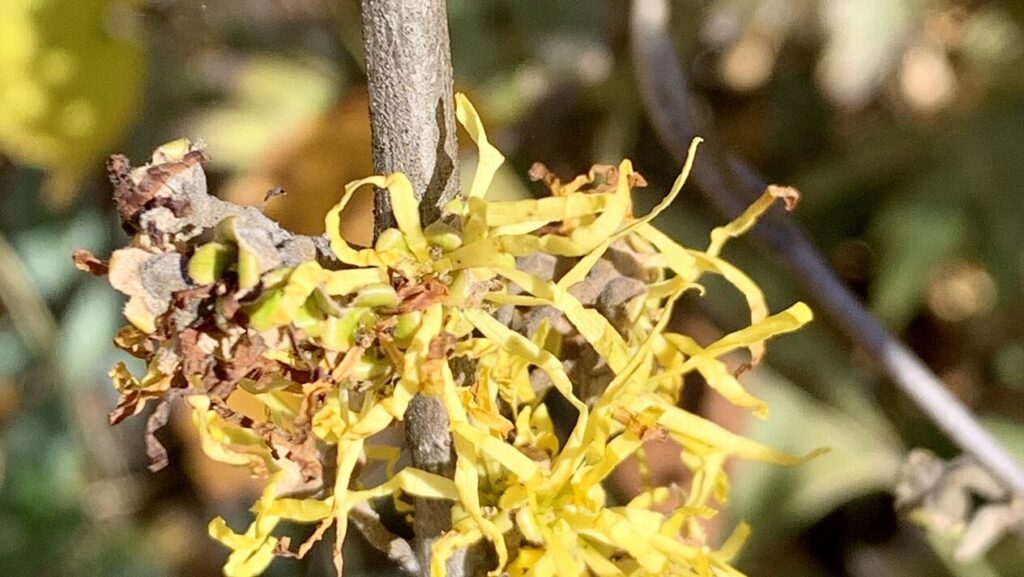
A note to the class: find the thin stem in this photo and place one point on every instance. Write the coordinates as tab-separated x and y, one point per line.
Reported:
29	314
729	185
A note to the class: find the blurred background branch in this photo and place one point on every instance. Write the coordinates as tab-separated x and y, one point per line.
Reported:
28	311
730	185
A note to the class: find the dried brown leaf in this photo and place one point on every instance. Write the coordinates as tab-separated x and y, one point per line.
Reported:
154	448
789	195
127	406
86	261
416	297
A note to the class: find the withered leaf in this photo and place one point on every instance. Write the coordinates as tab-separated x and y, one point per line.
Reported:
137	190
194	360
246	359
134	342
158	175
441	345
306	455
126	194
154	448
127	406
86	261
416	297
789	195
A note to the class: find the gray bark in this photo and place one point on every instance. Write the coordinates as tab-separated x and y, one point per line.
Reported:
412	109
412	117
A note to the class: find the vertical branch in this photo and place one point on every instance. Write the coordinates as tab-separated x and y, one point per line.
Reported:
412	118
412	110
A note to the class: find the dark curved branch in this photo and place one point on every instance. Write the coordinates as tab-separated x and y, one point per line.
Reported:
730	185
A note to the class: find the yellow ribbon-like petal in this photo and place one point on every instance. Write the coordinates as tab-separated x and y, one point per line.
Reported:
490	159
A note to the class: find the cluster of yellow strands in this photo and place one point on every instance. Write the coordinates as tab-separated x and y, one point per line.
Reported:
554	504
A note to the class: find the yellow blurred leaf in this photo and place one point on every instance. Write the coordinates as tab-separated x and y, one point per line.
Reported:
312	161
69	85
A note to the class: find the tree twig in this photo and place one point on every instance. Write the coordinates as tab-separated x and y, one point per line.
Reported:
32	318
397	549
28	311
412	118
730	185
412	110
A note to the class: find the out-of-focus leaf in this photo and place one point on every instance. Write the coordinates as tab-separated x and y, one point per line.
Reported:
45	250
271	99
312	160
13	355
865	456
865	40
1009	365
559	33
913	237
39	487
992	41
69	85
1010	433
86	330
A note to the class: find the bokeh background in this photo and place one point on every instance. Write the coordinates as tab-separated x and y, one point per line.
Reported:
901	121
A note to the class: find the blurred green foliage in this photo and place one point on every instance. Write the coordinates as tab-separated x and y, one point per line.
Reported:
900	121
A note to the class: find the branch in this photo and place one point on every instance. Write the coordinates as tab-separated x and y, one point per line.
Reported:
377	535
412	119
730	185
29	314
412	110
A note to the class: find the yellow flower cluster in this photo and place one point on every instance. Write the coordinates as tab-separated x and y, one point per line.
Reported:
343	350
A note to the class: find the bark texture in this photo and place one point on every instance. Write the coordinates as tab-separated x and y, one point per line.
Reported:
412	117
412	108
